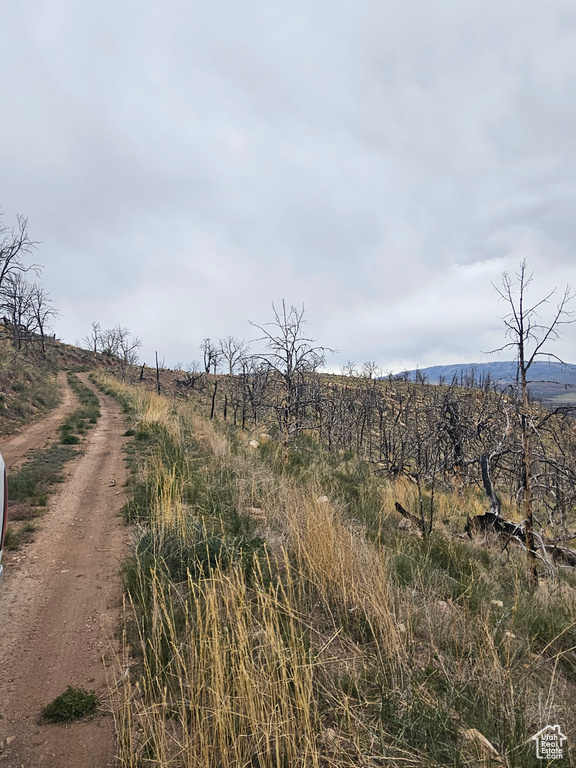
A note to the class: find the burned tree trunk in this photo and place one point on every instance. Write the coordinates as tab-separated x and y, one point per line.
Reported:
495	505
214	399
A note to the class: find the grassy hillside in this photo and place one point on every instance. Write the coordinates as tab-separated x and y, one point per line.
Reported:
283	614
28	385
27	389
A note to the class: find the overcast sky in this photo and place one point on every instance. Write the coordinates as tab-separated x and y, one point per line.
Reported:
186	163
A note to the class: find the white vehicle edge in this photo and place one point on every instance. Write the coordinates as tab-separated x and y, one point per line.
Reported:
3	511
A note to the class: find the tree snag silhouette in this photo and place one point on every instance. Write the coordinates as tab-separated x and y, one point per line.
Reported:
529	336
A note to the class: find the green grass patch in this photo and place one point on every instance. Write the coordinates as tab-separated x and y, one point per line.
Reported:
68	439
84	417
11	540
452	569
197	553
15	538
46	468
71	705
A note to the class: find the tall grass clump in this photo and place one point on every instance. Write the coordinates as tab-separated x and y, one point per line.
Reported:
341	568
228	679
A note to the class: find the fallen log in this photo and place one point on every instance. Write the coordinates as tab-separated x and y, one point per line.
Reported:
494	523
408	515
491	523
561	555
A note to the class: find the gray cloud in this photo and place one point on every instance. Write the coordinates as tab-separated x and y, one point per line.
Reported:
185	164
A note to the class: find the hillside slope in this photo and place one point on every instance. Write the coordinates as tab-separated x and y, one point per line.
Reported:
284	614
29	378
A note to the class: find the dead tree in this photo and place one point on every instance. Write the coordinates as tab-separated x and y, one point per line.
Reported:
495	504
93	340
212	355
128	347
15	246
290	355
232	350
16	301
43	311
192	376
529	337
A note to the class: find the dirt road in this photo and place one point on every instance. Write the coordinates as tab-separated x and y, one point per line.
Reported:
14	448
60	609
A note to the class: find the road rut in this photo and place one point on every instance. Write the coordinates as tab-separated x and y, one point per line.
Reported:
60	609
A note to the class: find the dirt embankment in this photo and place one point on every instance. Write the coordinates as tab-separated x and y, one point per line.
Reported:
60	609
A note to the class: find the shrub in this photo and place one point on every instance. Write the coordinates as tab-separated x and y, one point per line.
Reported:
71	705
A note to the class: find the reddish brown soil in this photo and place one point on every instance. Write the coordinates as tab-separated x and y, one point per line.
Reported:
60	609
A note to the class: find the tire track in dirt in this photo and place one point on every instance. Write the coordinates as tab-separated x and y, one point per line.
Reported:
59	611
15	447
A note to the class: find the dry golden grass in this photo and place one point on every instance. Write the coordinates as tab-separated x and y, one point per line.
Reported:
347	571
238	690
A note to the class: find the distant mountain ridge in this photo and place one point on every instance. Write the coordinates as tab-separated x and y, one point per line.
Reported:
551	382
